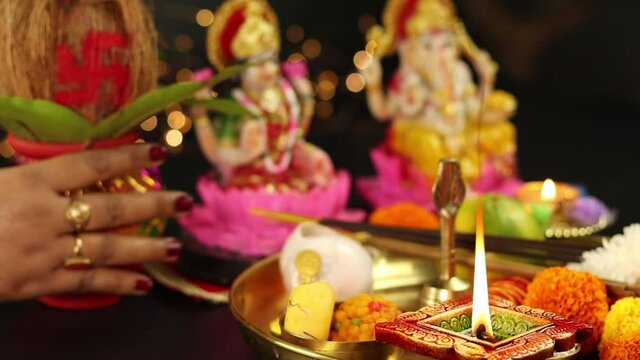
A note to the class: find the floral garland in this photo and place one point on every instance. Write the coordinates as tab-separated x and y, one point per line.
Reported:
293	107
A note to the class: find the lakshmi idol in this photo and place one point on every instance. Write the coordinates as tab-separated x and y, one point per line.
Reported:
436	107
260	160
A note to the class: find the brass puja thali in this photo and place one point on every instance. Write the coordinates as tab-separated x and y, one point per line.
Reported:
258	299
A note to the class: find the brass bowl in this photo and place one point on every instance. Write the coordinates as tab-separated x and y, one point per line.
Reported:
258	297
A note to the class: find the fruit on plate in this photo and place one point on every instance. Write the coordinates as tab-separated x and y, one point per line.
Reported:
503	216
355	319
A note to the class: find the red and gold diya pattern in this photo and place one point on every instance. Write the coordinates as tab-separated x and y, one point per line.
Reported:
443	331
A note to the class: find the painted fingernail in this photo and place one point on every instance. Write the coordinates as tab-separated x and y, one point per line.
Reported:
184	203
144	285
174	248
157	153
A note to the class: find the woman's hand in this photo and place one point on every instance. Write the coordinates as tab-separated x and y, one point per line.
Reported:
36	237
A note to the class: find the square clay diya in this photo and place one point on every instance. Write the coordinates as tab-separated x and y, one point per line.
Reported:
443	331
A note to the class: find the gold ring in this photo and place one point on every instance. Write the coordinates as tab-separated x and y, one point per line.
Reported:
78	213
78	260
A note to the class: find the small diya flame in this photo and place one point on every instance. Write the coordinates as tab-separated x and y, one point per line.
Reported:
548	191
481	316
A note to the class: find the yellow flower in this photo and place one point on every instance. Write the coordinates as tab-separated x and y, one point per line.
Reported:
621	348
576	295
623	320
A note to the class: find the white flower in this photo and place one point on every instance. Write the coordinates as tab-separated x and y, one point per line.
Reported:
618	259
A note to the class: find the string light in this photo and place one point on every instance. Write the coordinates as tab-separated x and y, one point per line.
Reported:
149	124
173	138
362	59
328	75
295	33
183	43
176	120
311	48
204	17
355	82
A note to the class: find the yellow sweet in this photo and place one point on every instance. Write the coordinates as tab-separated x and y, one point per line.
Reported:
309	311
355	319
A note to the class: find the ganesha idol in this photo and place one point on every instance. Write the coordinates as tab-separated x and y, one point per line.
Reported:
260	160
436	108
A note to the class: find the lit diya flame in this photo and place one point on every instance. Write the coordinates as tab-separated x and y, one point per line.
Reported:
480	317
548	191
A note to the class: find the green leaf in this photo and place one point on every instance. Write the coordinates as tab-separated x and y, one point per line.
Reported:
42	120
144	107
154	101
223	106
228	73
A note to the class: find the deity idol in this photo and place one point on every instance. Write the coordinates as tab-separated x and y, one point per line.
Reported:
436	108
262	160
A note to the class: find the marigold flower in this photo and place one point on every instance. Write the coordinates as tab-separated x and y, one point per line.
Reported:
405	215
623	320
576	295
621	348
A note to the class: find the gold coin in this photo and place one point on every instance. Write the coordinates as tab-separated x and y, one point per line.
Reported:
308	264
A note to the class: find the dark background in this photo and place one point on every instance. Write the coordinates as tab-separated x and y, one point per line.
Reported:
574	66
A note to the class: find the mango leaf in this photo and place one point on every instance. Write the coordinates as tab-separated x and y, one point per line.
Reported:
228	73
154	101
42	120
144	107
223	106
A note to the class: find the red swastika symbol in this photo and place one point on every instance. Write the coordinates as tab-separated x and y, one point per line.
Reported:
98	69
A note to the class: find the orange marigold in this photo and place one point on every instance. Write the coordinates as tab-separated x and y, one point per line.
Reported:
621	348
576	295
405	215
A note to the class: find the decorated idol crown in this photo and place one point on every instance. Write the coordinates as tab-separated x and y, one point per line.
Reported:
404	19
242	29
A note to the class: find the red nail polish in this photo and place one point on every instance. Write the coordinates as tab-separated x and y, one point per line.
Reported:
184	203
144	285
174	249
157	153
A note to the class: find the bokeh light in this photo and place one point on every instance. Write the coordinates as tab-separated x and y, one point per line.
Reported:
184	75
355	82
324	109
311	48
295	33
295	57
204	17
362	59
365	22
176	119
173	138
188	124
183	43
149	124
